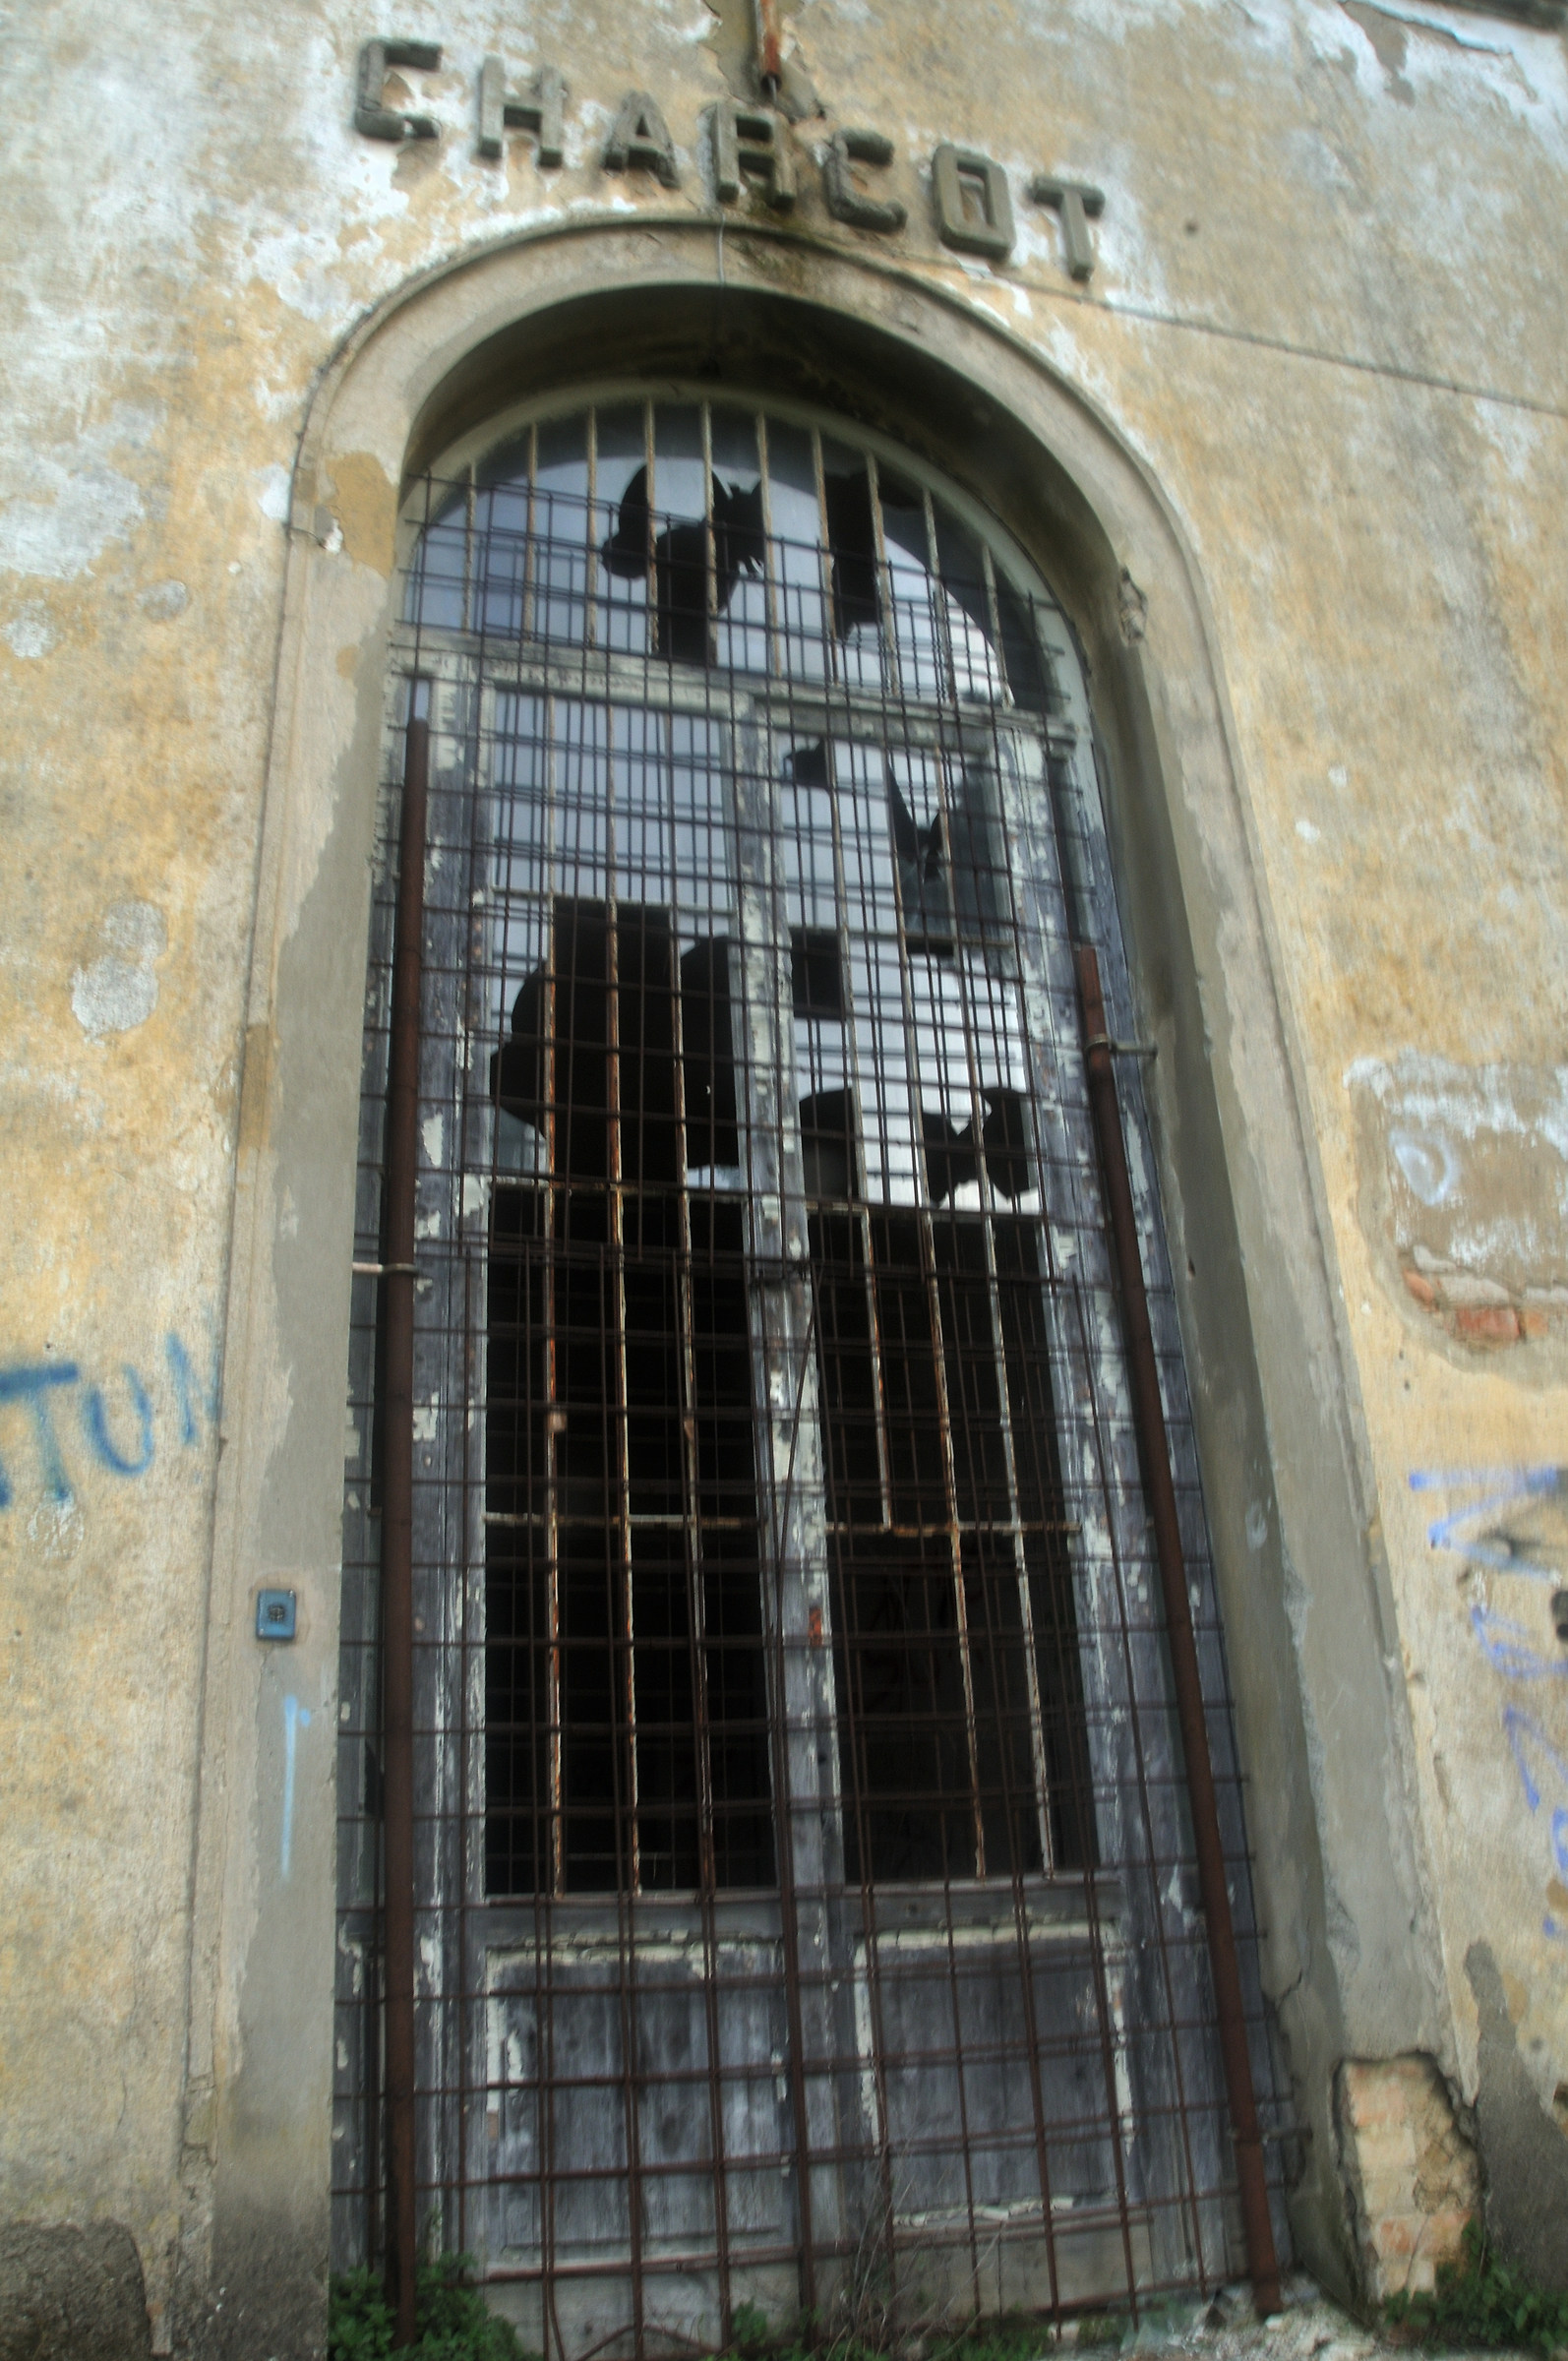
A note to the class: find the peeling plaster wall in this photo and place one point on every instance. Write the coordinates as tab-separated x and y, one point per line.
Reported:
1327	319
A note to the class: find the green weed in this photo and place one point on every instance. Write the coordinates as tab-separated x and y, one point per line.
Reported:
453	2321
1480	2301
1015	2338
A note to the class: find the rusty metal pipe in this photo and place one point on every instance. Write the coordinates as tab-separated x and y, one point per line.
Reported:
398	1528
769	63
1154	1449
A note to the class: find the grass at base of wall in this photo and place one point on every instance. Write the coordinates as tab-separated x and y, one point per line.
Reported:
454	2323
1480	2301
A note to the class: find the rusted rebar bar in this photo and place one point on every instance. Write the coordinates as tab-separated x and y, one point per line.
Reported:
1154	1450
398	1526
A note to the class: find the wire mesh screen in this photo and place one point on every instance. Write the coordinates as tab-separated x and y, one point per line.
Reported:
806	1901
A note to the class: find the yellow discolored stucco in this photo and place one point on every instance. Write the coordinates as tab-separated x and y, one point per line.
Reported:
1325	342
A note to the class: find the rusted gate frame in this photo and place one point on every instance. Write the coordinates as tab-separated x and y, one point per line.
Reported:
836	2062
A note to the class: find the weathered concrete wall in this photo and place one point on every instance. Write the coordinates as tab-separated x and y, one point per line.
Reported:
1326	320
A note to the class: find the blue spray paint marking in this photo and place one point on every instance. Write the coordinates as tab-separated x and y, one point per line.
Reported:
1521	1478
1502	1486
186	1387
1506	1645
33	1382
296	1717
1520	1727
96	1418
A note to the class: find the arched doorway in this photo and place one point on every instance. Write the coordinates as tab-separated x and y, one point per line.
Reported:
805	1890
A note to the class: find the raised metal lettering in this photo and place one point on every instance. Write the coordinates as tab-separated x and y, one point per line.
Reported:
846	202
639	141
371	115
750	142
542	112
974	210
1075	201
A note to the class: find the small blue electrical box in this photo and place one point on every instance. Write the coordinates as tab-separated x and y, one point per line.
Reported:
274	1614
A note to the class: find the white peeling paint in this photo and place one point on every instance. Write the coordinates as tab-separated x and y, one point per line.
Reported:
271	495
164	600
31	633
62	534
1428	1161
120	991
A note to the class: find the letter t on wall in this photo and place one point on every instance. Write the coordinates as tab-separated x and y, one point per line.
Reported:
1075	201
371	115
543	112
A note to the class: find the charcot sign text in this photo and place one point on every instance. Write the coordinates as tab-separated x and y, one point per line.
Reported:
749	147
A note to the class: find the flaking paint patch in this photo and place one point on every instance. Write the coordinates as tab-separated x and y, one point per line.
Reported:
1467	1163
30	634
364	501
62	534
165	601
272	493
119	991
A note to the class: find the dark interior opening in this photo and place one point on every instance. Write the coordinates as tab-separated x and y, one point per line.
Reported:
627	1705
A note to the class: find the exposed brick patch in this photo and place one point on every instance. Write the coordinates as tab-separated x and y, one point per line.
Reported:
1409	2171
1487	1323
1478	1312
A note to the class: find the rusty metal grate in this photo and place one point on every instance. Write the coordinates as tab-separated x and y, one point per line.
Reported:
804	1899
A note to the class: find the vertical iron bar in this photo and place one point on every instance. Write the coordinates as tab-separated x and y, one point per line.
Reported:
847	1736
751	780
1155	1451
1020	860
789	1892
629	1865
695	1553
553	1880
1042	1797
777	635
397	1517
530	546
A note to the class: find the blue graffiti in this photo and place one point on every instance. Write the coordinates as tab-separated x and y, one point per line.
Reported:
33	1382
1520	1727
1506	1645
33	1385
1502	1488
186	1387
1476	1534
296	1717
96	1418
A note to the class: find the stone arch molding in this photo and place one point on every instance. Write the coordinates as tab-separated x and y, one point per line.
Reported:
1307	1608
